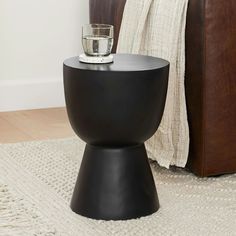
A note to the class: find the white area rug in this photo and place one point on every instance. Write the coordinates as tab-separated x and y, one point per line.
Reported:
37	180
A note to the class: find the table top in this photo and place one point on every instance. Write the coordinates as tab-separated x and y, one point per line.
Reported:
122	62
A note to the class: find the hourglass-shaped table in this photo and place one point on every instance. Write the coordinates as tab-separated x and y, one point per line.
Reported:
115	108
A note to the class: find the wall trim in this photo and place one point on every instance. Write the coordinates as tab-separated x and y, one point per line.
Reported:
24	94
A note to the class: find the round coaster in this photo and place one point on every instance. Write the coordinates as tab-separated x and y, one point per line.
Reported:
96	60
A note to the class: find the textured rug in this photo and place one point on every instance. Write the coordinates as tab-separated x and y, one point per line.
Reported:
37	180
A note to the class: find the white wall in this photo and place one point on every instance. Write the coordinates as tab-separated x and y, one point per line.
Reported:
35	37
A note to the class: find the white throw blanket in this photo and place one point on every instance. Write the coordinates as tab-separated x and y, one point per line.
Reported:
157	28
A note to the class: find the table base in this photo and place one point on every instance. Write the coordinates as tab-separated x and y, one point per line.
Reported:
115	184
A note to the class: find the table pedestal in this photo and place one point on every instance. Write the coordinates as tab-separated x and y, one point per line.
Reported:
115	184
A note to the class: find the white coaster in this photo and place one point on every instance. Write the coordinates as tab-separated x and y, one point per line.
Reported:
96	60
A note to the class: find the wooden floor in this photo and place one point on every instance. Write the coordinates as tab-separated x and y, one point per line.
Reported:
31	125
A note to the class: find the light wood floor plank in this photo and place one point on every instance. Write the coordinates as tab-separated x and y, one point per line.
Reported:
10	133
34	125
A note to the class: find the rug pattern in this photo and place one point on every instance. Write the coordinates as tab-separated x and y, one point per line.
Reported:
37	180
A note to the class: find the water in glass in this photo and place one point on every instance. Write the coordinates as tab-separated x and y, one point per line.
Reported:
97	45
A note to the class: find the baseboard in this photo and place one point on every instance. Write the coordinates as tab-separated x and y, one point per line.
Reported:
31	94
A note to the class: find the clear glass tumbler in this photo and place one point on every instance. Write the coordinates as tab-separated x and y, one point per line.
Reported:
97	39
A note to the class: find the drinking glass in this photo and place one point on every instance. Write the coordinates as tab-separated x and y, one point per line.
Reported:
97	39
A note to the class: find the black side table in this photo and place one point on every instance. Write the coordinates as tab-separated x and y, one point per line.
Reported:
115	108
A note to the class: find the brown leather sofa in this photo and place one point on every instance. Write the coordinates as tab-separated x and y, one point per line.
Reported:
210	79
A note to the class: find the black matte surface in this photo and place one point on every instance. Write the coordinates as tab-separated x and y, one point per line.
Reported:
115	183
122	62
115	107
